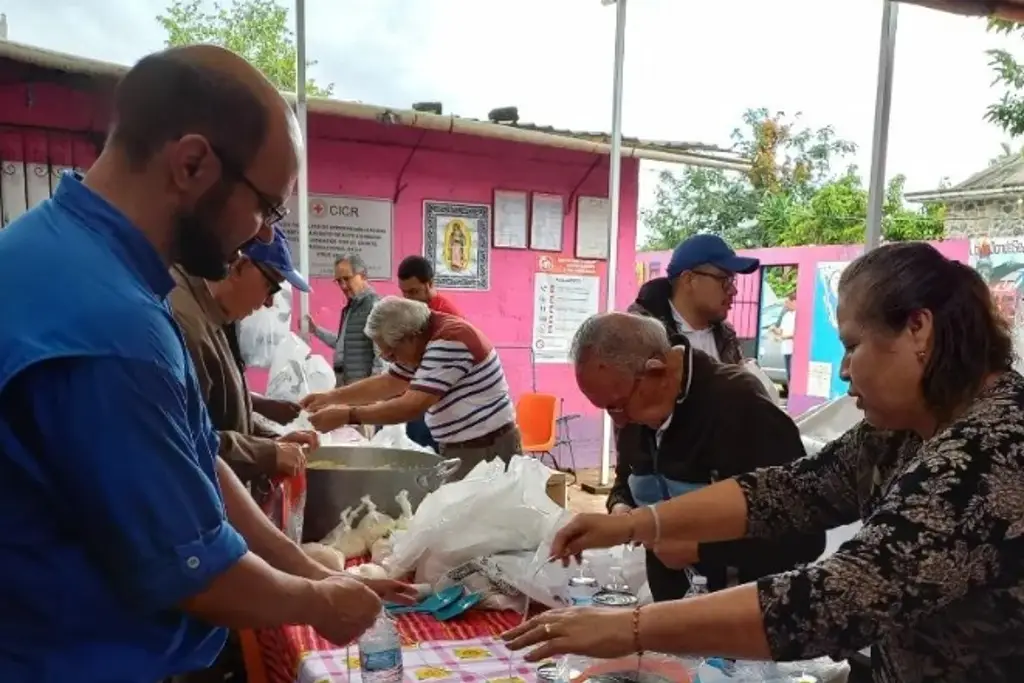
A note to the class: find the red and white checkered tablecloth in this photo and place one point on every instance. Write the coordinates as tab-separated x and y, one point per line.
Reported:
477	660
275	655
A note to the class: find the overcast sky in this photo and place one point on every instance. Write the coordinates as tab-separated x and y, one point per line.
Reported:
691	67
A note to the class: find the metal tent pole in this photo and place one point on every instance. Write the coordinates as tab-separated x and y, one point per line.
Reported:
303	188
880	138
614	183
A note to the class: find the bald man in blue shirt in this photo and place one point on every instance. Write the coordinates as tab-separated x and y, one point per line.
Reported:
126	545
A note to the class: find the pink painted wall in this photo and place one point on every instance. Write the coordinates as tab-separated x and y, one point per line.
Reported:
745	312
362	158
367	159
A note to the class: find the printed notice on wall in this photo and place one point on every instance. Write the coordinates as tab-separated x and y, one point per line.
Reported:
561	303
819	379
340	226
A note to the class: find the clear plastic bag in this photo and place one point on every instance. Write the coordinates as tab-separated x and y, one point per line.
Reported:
285	503
260	333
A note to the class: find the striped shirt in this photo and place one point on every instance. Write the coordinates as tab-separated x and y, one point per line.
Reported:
461	367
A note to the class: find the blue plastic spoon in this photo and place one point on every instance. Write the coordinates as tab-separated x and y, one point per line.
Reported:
459	607
432	603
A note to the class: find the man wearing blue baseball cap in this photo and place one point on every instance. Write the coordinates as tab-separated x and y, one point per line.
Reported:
695	297
202	308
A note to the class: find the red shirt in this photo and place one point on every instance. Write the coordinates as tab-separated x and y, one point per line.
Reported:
441	304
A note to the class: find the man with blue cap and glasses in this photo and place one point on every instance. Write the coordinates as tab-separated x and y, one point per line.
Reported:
202	308
695	297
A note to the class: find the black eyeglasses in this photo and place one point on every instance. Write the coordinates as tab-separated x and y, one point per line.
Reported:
273	212
727	281
273	286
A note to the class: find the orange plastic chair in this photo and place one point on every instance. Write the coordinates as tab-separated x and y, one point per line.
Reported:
536	416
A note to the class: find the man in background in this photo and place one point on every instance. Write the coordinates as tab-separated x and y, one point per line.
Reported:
785	331
695	297
416	280
355	357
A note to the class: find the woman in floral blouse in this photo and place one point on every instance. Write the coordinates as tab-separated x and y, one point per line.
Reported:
935	577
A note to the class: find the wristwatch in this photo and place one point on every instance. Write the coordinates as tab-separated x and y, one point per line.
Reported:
353	416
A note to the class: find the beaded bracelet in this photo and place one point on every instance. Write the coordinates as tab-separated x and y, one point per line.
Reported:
636	630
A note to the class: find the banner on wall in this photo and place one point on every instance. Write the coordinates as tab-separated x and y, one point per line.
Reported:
566	291
826	353
341	226
1000	262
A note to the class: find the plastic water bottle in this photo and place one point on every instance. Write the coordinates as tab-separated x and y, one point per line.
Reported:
380	652
698	586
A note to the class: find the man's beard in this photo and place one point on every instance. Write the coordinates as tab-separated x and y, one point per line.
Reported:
198	248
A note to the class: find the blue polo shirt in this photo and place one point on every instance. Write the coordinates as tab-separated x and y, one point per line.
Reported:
110	512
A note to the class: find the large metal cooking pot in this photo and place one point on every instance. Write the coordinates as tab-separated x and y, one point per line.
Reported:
368	470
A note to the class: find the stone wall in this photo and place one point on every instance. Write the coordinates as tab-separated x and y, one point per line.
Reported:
1003	217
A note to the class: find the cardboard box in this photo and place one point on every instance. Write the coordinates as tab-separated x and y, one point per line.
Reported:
558	488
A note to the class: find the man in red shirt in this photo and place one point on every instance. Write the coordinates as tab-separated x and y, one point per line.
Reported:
416	280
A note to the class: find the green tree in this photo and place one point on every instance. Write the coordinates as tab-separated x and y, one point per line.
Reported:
792	196
787	160
255	29
1008	111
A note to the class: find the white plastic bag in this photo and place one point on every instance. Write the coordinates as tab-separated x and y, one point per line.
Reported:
823	670
492	510
394	436
260	333
319	374
288	381
295	372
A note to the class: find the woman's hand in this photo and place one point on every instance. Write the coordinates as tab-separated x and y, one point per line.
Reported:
328	419
317	401
591	530
587	631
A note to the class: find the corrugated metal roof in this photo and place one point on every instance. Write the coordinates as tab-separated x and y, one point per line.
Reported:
1004	9
694	153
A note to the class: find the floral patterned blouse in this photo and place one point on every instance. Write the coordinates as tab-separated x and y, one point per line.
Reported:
935	577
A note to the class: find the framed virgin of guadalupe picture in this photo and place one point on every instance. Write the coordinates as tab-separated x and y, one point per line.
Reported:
457	241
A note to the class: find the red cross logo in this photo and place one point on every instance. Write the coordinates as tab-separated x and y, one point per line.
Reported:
318	208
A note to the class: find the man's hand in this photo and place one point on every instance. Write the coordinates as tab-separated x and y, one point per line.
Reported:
620	509
317	401
393	591
329	419
306	438
344	609
677	554
290	458
281	412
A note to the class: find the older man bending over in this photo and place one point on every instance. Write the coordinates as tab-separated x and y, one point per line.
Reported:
685	421
440	365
